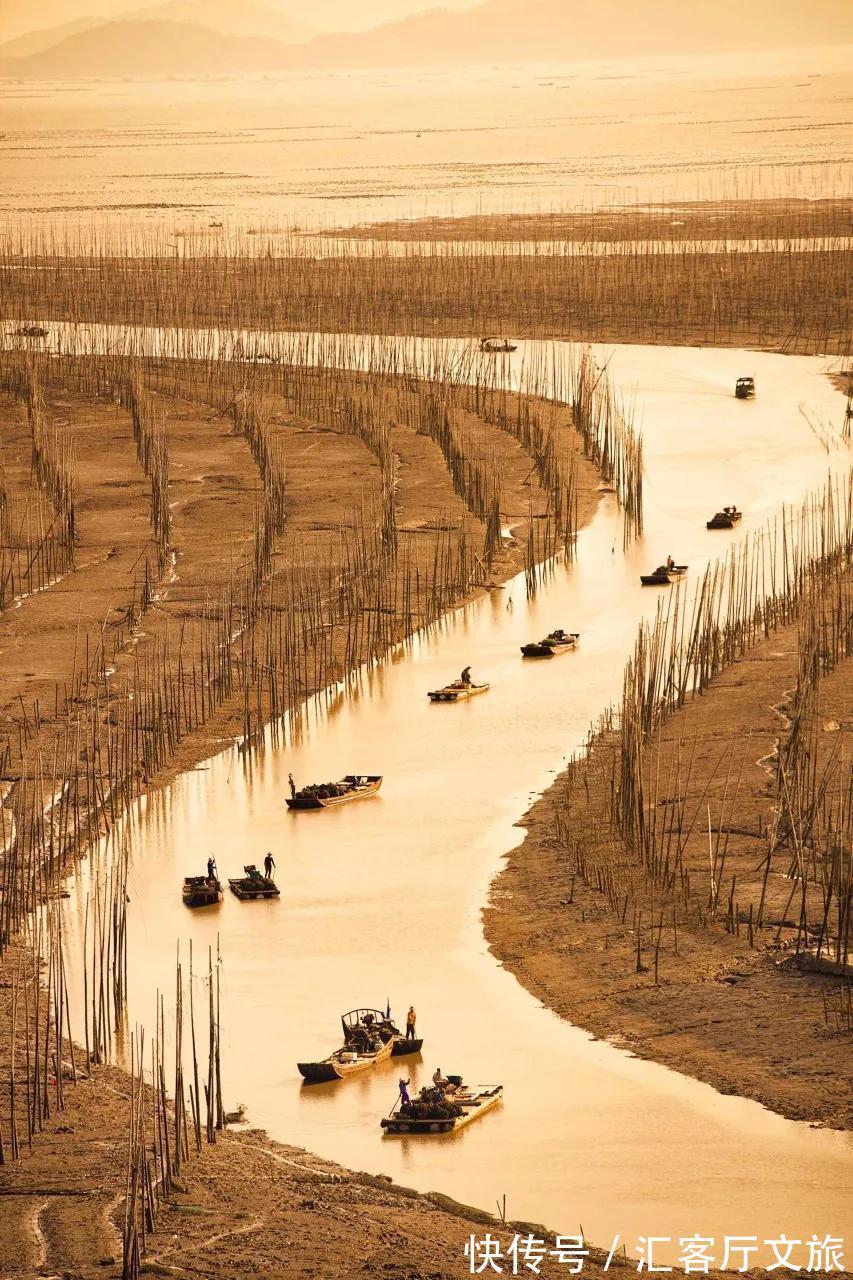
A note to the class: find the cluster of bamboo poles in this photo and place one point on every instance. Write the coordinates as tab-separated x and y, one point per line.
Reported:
161	1138
476	480
814	802
39	1036
37	546
609	439
149	432
636	857
550	377
105	959
665	289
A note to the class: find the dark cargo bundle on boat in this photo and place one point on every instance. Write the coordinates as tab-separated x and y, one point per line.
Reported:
437	1108
201	891
253	885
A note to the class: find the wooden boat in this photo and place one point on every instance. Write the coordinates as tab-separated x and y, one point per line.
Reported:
663	575
745	388
370	1037
725	519
253	885
555	642
434	1112
31	331
457	691
497	346
323	795
201	891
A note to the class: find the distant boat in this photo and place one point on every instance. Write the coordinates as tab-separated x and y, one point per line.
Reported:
31	331
457	691
369	1038
437	1111
725	519
745	388
323	795
253	885
663	575
555	642
497	346
201	891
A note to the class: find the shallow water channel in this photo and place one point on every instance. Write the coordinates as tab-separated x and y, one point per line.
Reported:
383	899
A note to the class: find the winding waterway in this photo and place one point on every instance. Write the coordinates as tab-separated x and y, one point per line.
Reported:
383	899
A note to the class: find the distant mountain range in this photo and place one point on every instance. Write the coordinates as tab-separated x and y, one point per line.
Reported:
201	37
243	18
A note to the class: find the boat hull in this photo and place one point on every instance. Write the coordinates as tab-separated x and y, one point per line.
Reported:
723	522
452	694
543	650
403	1048
664	579
337	1068
249	890
210	899
318	1072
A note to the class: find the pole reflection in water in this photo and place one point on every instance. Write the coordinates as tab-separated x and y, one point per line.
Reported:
383	898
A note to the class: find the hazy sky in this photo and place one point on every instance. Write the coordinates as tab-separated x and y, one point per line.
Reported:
336	15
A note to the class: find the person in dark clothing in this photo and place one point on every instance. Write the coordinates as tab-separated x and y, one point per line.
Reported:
292	785
269	864
404	1092
466	676
410	1023
211	868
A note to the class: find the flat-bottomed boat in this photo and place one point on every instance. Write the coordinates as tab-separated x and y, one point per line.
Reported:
253	885
555	643
434	1113
457	691
497	346
201	891
664	575
725	519
324	795
370	1037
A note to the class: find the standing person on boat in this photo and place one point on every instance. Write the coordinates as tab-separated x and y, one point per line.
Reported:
438	1080
211	868
670	563
269	864
466	676
403	1086
292	785
411	1018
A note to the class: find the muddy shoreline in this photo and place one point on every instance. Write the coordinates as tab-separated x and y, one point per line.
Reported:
744	1018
